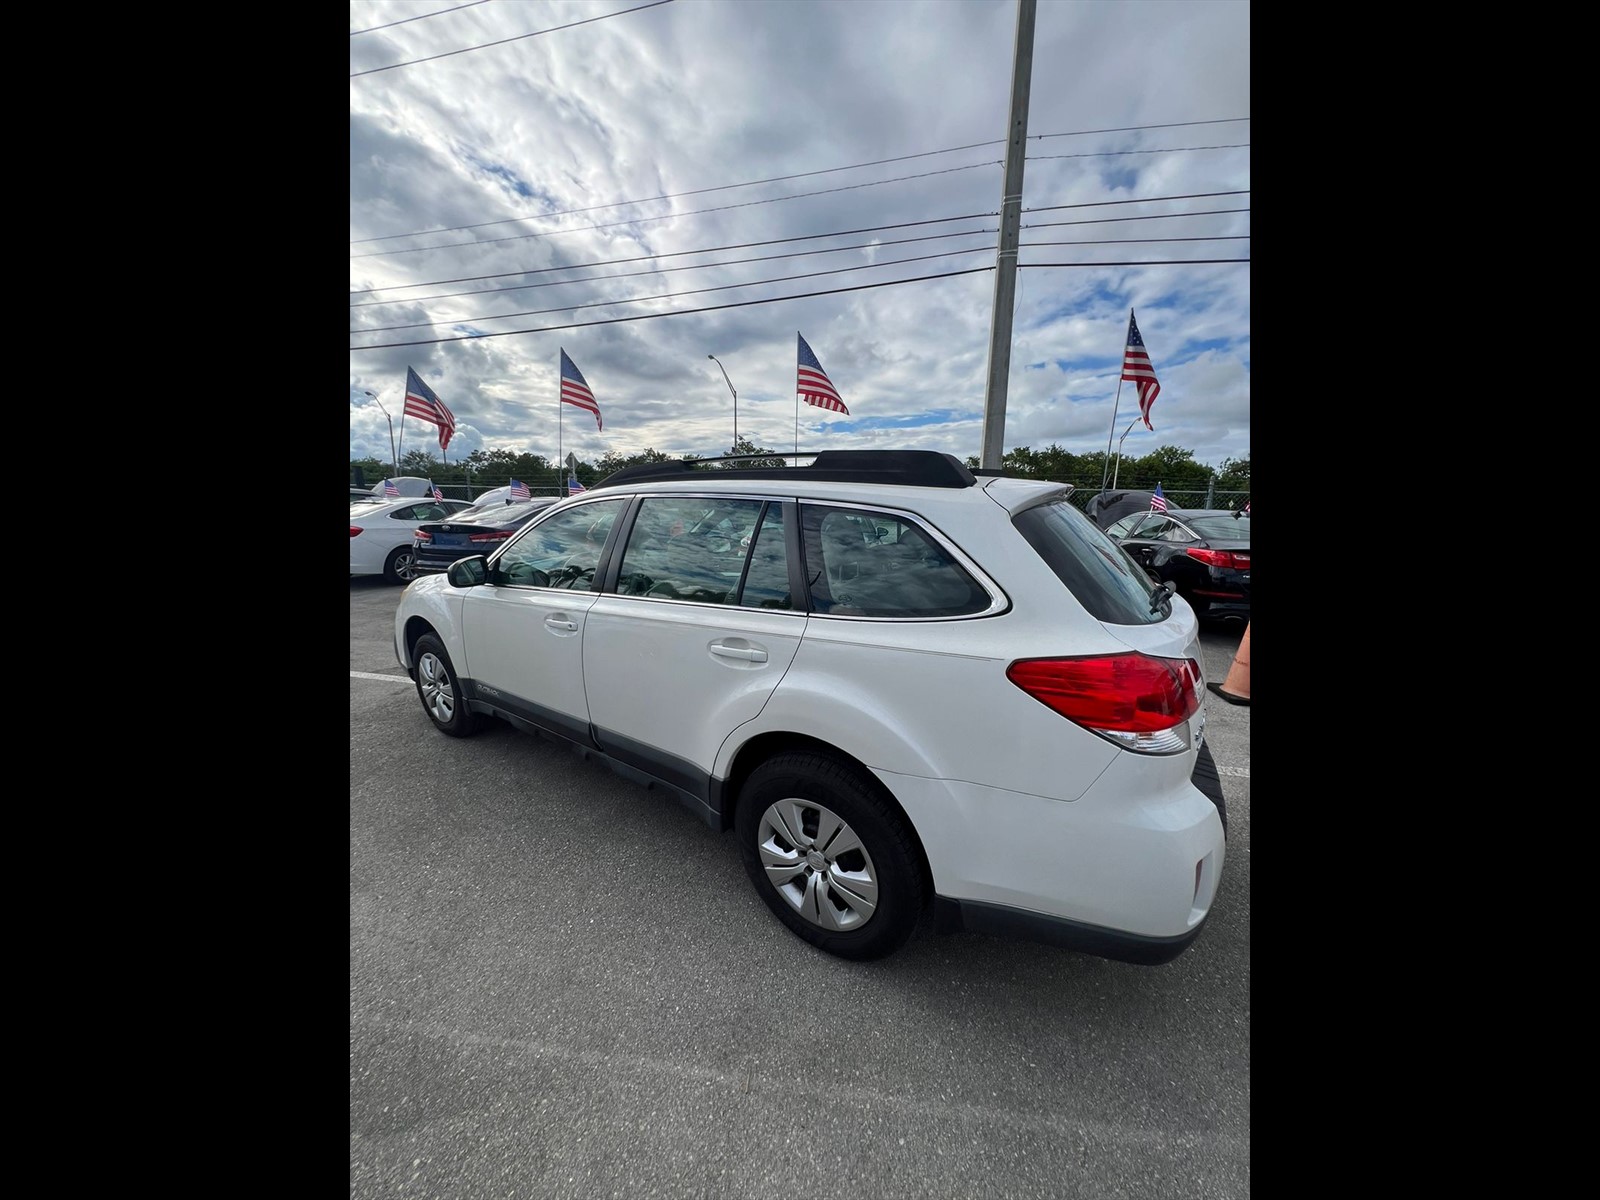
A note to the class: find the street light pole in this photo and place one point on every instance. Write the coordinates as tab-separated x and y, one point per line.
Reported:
389	419
729	382
1120	440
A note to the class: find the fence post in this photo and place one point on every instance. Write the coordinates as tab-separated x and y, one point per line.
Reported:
1211	491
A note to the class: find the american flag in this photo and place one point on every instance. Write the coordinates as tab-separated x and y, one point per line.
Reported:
519	490
390	488
421	402
814	385
575	389
1136	369
1158	501
434	488
1247	508
573	486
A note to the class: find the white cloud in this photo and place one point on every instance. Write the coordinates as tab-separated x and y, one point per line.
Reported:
696	96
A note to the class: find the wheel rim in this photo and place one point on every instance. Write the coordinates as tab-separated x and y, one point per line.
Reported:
438	693
817	863
405	565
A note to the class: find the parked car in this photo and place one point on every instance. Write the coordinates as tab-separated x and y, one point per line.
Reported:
361	494
1106	508
474	530
382	532
899	685
1203	552
499	495
406	485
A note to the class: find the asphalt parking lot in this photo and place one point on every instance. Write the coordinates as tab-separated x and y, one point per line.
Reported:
562	985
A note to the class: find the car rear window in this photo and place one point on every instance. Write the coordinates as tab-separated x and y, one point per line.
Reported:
1221	528
1105	580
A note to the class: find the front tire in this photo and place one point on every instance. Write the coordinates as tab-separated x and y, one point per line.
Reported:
401	565
440	690
833	859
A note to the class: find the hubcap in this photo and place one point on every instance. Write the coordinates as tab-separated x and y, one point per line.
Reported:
438	694
404	566
818	864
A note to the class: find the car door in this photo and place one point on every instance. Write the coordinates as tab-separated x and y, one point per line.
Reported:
523	628
696	627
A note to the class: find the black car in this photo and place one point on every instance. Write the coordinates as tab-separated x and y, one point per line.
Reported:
1203	552
1106	508
437	544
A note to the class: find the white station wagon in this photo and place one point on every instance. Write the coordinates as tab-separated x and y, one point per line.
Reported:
898	682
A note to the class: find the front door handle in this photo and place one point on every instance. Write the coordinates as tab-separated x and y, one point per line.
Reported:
560	625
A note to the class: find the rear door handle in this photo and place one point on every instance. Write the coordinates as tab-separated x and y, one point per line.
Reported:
744	653
560	624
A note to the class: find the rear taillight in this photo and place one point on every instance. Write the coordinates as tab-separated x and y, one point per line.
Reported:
354	529
1221	558
1139	702
493	535
421	537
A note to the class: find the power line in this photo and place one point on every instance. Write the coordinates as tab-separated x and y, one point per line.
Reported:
725	287
1210	212
877	162
730	262
1145	200
567	212
1182	262
806	237
1116	153
537	33
423	17
670	216
677	312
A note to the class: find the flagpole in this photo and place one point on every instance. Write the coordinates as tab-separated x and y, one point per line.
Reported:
797	424
402	442
1115	403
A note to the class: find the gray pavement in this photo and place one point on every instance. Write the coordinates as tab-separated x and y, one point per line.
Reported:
563	985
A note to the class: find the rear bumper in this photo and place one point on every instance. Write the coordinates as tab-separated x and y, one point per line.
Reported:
1127	872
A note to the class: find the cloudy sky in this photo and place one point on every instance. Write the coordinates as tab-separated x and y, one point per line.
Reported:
707	164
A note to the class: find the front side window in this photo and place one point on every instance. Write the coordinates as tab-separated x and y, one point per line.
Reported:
870	564
560	551
688	548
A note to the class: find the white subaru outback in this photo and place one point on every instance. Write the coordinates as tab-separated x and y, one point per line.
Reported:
899	683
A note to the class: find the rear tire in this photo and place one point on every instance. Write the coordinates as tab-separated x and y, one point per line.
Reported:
832	859
400	566
440	690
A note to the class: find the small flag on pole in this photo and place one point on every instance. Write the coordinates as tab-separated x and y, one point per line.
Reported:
433	488
1137	370
390	488
1158	501
573	486
519	490
421	402
575	389
813	383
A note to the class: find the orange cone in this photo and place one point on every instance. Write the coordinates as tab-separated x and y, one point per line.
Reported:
1235	689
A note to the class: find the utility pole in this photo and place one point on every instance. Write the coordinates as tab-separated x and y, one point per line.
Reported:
1005	275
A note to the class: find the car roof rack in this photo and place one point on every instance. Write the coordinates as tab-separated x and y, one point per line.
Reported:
913	468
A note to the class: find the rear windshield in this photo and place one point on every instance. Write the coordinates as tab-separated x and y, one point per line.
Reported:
1220	528
1108	583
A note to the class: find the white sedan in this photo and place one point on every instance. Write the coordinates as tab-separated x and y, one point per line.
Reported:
381	533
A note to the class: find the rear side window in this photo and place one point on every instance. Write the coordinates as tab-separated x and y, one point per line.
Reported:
1099	572
689	548
866	564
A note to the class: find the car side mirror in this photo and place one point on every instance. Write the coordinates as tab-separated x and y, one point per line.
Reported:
468	572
